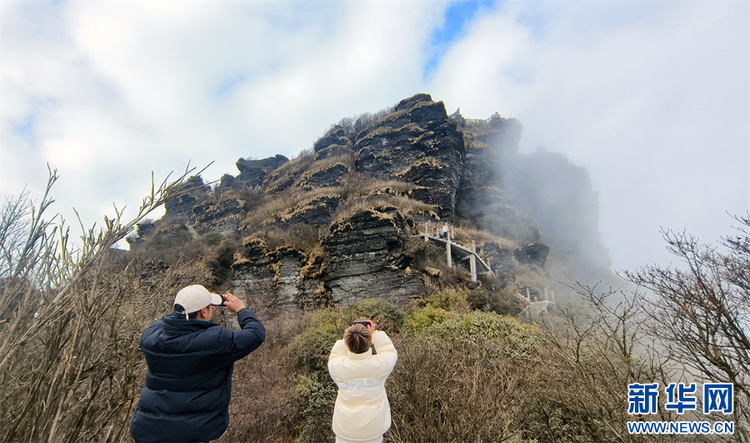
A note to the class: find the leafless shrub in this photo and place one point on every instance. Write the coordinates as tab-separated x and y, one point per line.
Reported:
263	398
69	361
360	122
595	353
701	311
467	379
441	392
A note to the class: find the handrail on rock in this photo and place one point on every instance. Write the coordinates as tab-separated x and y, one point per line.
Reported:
476	264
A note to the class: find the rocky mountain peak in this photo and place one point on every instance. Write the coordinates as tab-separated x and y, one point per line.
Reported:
340	222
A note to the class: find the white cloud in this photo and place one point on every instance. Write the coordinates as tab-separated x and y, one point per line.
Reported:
642	95
119	89
652	99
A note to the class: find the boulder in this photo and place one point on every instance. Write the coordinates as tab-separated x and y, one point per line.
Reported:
254	172
534	256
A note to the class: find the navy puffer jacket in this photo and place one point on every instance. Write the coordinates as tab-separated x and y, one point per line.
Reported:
189	379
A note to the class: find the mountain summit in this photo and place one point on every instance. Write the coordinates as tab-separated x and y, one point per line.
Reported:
342	221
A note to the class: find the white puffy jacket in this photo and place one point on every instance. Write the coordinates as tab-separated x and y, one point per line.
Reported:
362	411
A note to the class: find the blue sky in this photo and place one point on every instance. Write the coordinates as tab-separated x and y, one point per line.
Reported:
650	97
456	18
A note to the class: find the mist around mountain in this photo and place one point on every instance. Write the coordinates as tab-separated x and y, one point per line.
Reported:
338	224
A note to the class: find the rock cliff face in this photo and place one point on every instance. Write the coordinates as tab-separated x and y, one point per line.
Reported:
333	226
222	217
182	206
274	278
366	258
317	211
419	144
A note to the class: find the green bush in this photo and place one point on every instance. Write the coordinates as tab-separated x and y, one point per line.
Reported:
508	335
420	319
436	308
387	316
503	302
308	352
448	299
449	387
317	395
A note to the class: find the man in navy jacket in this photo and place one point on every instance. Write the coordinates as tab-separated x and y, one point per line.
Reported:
190	363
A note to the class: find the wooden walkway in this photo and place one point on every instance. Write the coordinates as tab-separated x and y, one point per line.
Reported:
457	252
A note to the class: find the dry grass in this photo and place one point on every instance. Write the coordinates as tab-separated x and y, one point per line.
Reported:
278	208
404	205
466	235
383	128
290	171
321	165
262	406
450	392
301	237
427	163
360	122
357	184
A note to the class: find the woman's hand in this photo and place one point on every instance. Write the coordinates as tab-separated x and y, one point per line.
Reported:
370	326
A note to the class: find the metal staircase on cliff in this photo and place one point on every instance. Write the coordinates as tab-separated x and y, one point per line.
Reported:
477	266
456	252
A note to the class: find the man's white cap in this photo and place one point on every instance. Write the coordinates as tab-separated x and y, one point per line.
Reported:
195	297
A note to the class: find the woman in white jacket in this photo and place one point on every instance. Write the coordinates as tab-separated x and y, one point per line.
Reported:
362	413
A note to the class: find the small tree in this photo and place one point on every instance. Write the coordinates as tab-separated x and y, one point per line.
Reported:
702	311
